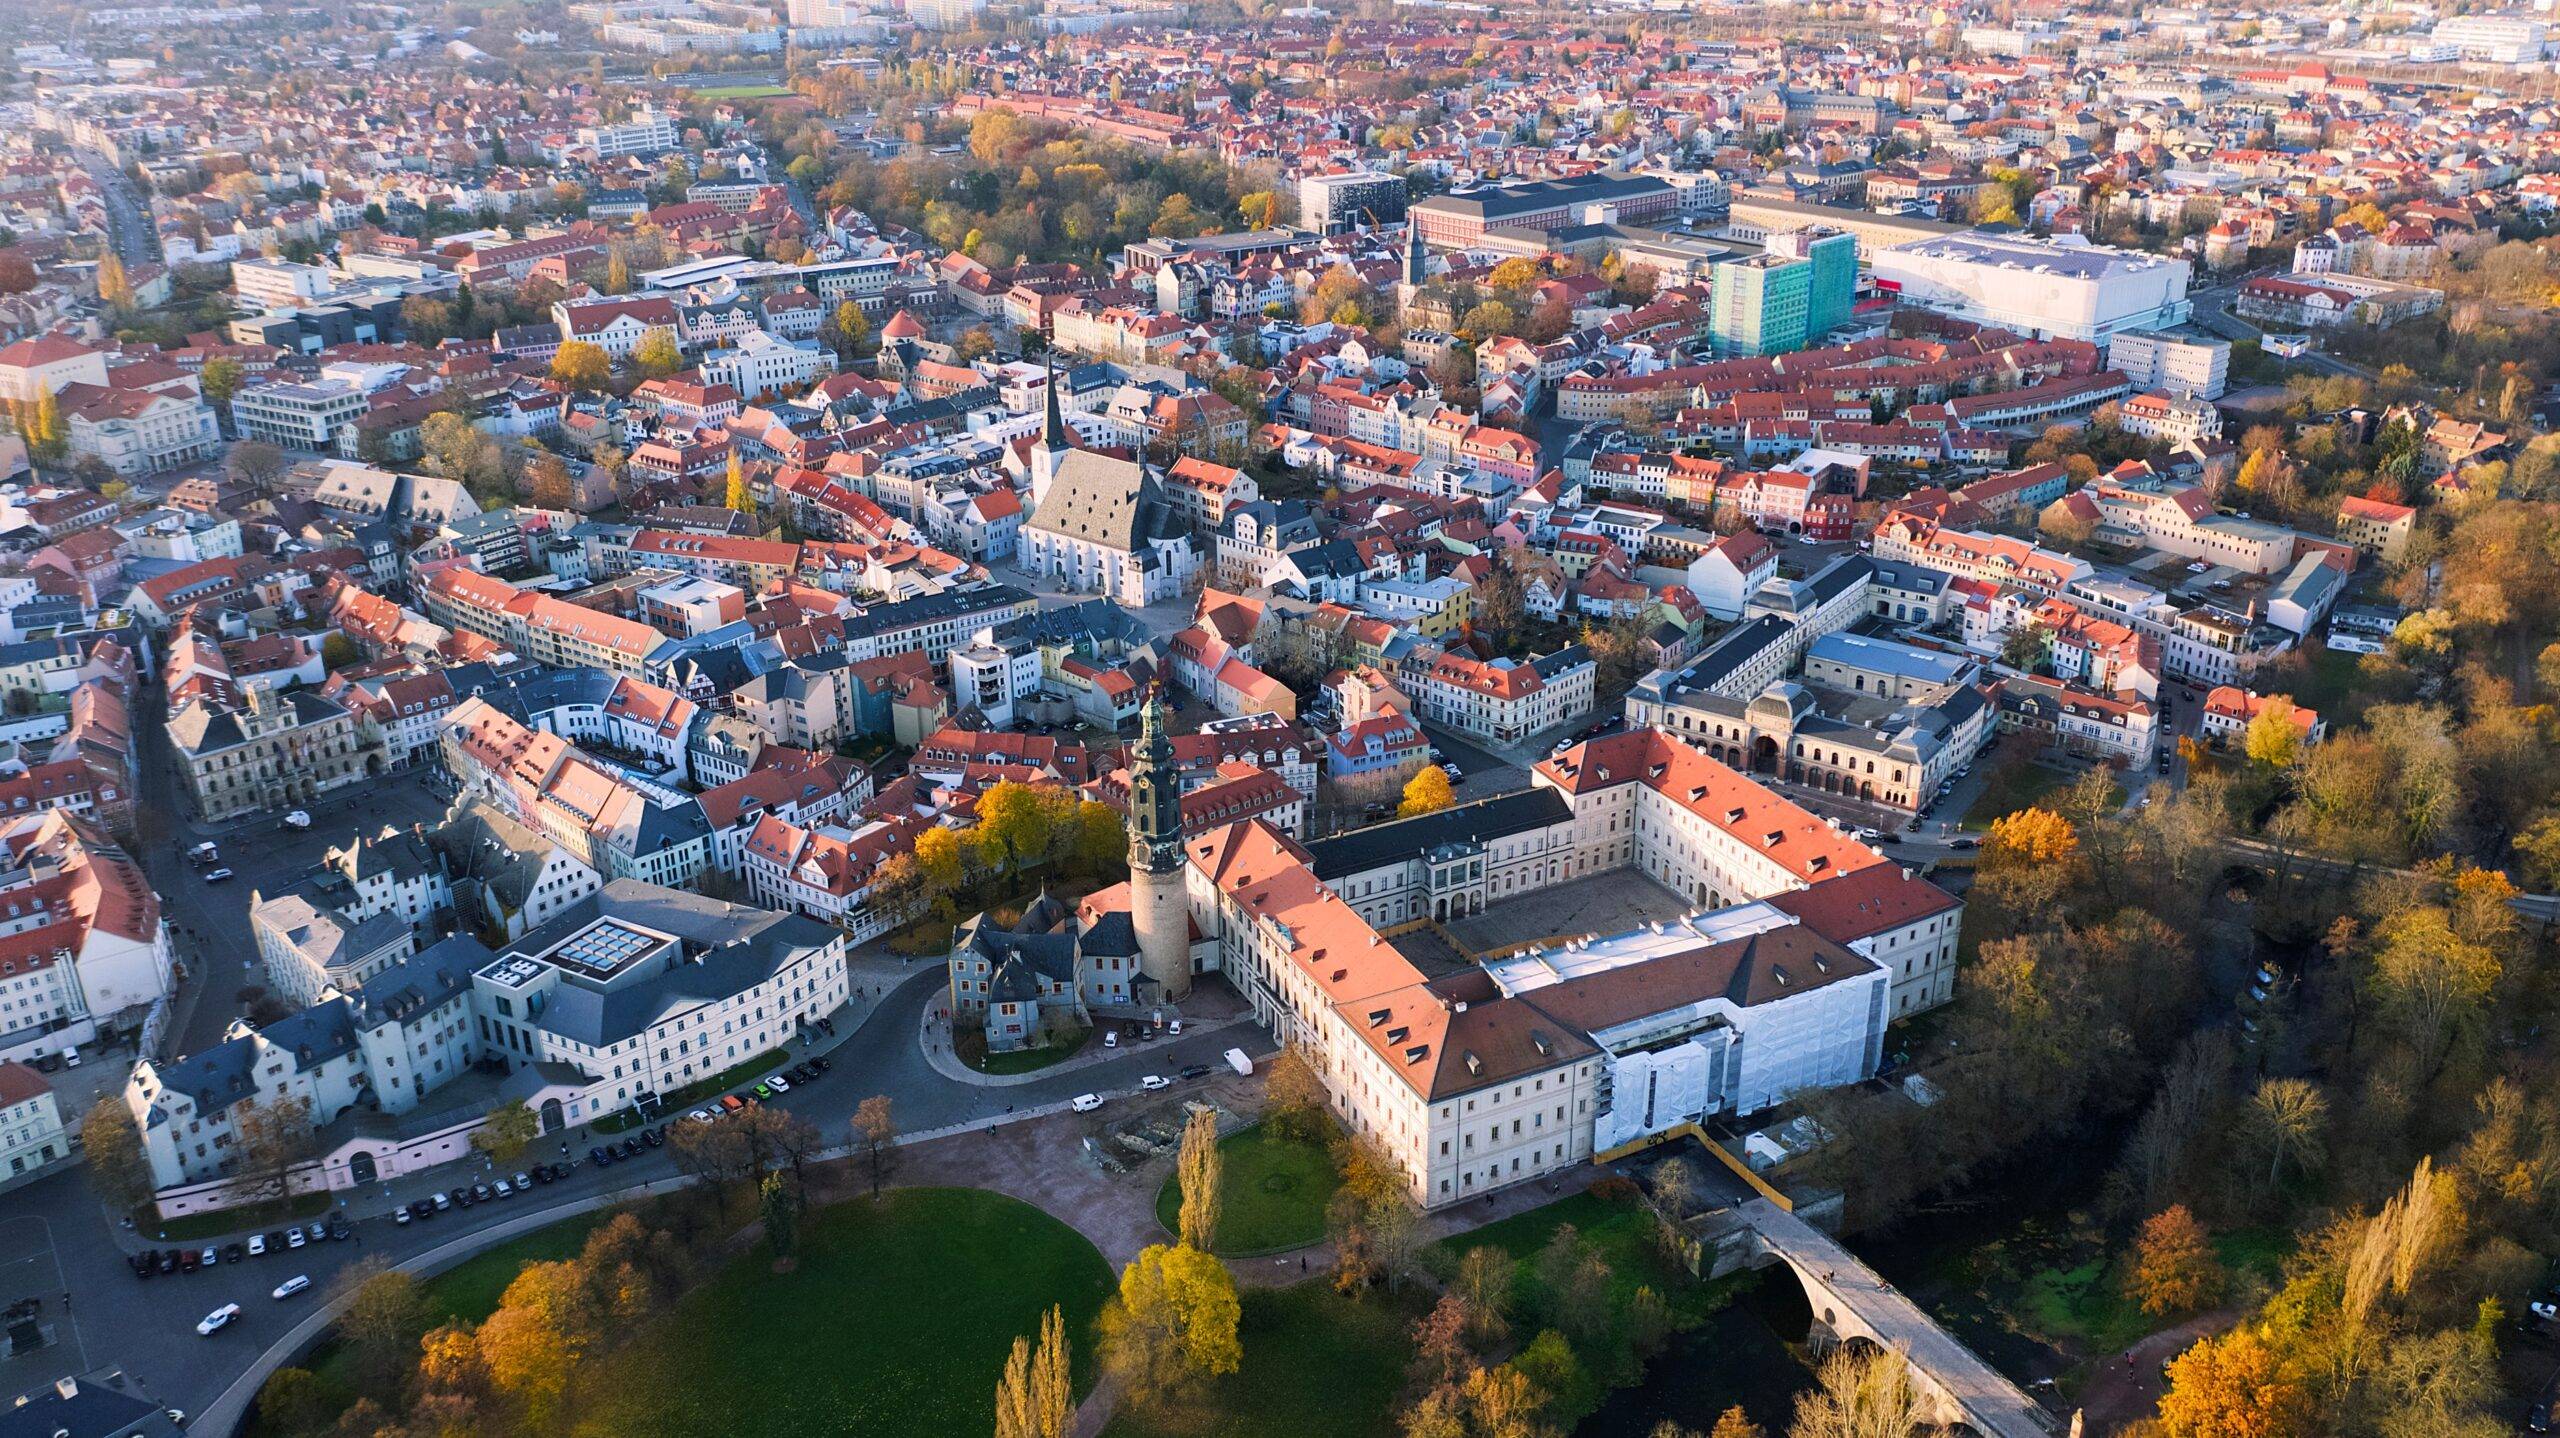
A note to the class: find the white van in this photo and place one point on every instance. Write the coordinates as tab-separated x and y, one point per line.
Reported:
1085	1102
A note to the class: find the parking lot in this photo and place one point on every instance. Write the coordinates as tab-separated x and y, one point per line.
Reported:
31	1268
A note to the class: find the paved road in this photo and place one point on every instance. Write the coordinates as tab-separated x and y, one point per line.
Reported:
128	214
209	922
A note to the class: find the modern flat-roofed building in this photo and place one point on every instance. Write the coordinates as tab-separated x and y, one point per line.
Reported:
1462	219
1329	203
2184	366
2038	287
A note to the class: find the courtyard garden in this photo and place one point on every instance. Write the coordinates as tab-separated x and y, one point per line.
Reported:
1274	1190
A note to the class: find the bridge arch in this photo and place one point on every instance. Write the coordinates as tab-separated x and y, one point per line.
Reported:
1853	1305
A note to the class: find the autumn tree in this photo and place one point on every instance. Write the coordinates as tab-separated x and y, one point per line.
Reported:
220	379
1427	792
292	1401
778	1203
506	1132
657	356
2435	979
1036	1398
2273	738
582	366
115	288
384	1317
1732	1423
548	484
853	327
1174	1320
737	495
2175	1270
1201	1169
2235	1386
544	1326
876	1130
1295	1102
119	1168
1101	838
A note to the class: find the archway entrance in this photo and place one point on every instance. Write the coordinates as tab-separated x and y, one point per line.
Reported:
1764	755
551	1116
361	1167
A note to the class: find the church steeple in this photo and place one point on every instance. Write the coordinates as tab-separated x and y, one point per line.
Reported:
1417	264
1053	434
1155	793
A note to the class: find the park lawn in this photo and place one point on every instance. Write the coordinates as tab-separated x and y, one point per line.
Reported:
744	92
2021	784
1275	1190
1315	1362
467	1292
1021	1061
896	1321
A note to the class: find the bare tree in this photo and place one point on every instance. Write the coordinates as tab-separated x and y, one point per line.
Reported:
876	1130
1862	1392
273	1138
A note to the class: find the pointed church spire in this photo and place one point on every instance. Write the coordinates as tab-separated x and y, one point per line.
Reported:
1417	265
1053	434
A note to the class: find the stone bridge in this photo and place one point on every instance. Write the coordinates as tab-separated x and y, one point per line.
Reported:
1853	1302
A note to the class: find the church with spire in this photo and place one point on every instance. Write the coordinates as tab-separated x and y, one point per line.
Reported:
1101	524
1124	948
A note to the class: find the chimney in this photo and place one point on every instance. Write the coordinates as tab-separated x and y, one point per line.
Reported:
68	1387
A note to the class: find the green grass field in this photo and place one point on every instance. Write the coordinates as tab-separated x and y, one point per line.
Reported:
744	92
1275	1189
895	1322
2019	784
1314	1363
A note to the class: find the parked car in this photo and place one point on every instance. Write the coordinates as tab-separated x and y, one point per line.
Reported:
292	1286
234	1251
401	1217
1152	1082
762	1092
169	1262
1111	1038
523	1182
216	876
600	1155
1193	1071
209	1257
1174	1027
1085	1102
732	1102
257	1244
317	1232
505	1189
219	1319
293	1238
441	1202
779	1084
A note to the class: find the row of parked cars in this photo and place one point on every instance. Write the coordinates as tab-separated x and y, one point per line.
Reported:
468	1195
153	1262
